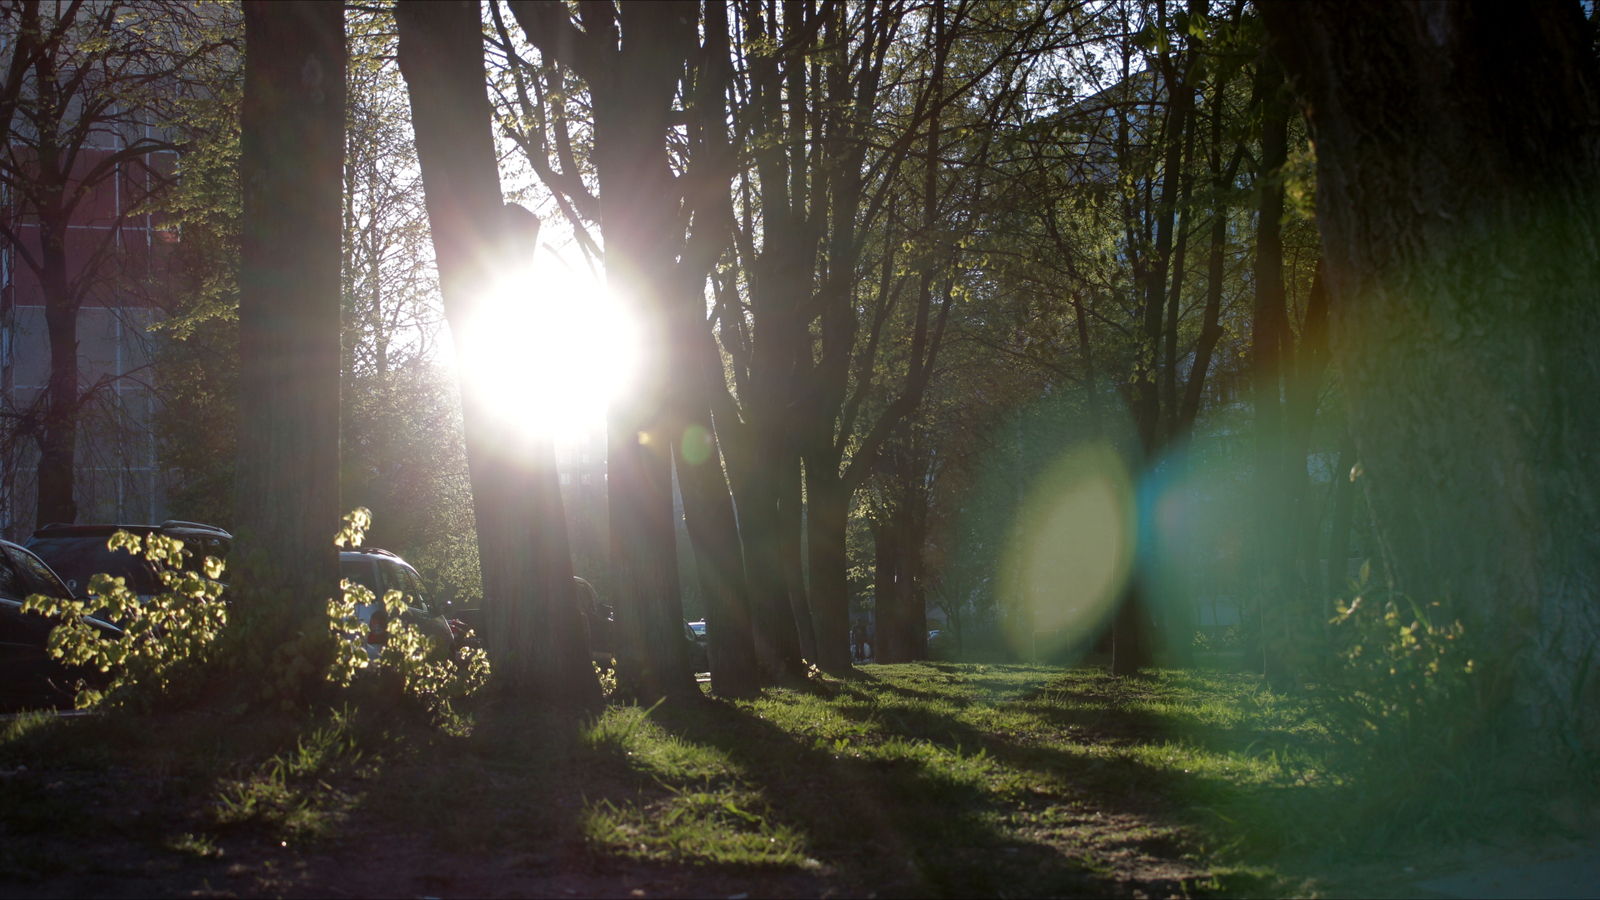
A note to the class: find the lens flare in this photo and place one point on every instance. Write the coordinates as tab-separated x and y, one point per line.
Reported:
548	350
1071	554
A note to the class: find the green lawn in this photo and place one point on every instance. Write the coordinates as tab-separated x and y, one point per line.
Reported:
927	779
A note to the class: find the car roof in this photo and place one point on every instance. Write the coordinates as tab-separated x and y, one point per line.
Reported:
370	553
171	526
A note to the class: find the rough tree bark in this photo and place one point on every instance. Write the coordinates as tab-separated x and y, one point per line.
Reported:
534	631
286	491
1458	193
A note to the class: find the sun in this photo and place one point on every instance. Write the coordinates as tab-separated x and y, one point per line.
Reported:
548	350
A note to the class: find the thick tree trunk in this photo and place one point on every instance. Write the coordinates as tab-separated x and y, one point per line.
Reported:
719	561
827	521
638	215
633	57
286	492
772	618
534	631
1458	164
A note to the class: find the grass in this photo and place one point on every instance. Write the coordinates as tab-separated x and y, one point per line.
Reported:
938	778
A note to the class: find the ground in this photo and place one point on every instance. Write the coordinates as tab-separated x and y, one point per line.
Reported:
928	779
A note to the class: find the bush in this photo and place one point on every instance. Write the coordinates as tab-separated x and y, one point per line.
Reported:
1406	684
164	639
172	640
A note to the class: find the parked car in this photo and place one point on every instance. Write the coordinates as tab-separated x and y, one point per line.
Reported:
600	621
29	677
78	552
699	658
380	571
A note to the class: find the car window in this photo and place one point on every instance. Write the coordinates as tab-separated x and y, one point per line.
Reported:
79	558
36	576
417	590
11	586
398	578
360	571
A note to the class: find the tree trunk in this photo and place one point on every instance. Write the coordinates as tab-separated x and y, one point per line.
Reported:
58	435
914	516
791	524
827	522
772	617
886	590
286	492
1458	164
1130	634
1210	326
1344	500
1268	332
633	57
638	215
719	560
1300	412
534	630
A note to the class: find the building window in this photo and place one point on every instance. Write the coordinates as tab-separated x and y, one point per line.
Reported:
587	478
565	478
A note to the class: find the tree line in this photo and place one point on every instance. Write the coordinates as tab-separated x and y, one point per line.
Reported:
886	257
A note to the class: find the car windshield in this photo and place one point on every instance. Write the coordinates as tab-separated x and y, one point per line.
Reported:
79	558
36	576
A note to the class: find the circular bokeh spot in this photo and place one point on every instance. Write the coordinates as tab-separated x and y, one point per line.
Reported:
696	445
1071	553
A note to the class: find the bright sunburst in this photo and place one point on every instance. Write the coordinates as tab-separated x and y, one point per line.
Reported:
549	349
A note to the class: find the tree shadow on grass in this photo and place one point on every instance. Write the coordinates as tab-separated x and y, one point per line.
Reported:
892	821
1143	779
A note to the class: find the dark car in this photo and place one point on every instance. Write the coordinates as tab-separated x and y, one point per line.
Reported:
600	625
380	571
78	552
29	677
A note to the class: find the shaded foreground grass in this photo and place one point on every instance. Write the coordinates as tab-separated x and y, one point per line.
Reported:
929	779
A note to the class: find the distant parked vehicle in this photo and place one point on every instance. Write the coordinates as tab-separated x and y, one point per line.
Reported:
78	552
699	657
29	677
600	621
380	571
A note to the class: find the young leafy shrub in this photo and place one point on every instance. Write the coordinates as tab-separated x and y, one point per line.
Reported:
608	680
170	640
430	675
1406	684
433	676
164	638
